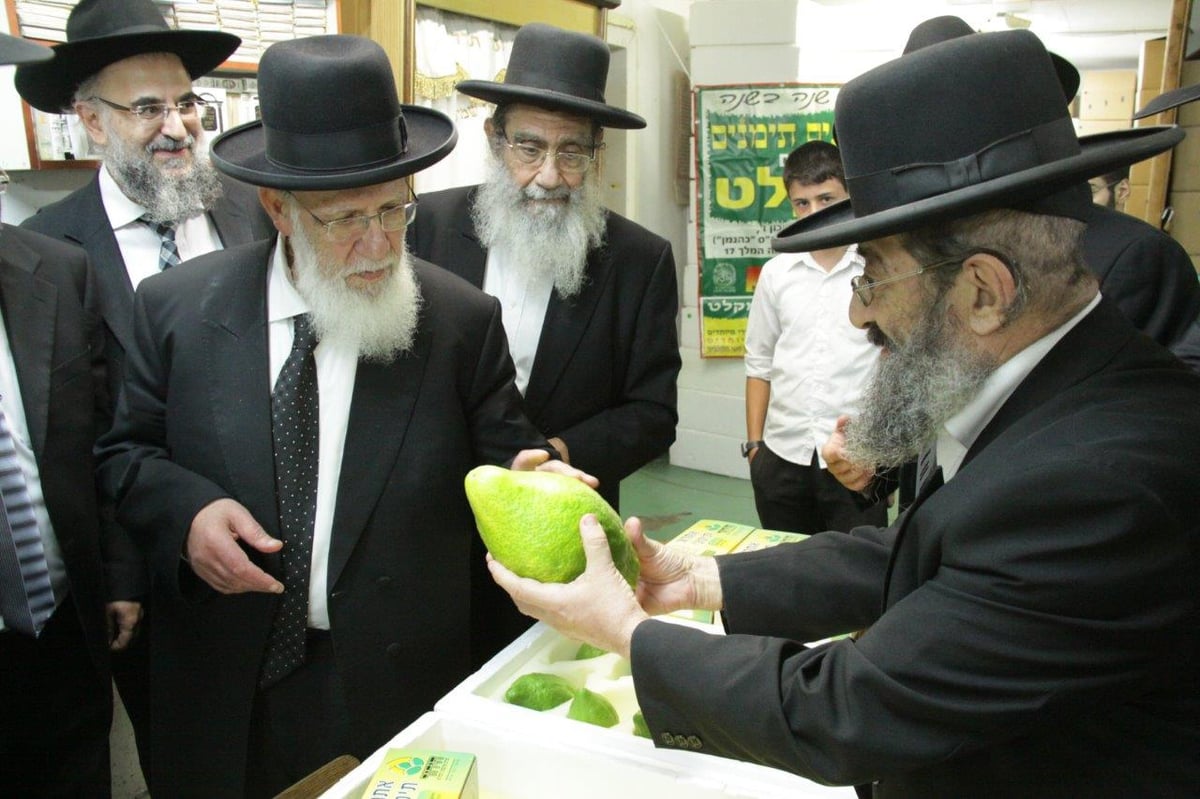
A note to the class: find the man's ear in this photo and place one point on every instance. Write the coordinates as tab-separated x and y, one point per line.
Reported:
489	130
90	117
272	203
990	289
1121	192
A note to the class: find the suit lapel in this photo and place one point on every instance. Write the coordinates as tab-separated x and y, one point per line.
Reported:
470	258
566	322
30	305
232	223
238	368
93	232
385	396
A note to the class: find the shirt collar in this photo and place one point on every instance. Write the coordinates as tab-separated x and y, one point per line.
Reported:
966	425
283	301
849	260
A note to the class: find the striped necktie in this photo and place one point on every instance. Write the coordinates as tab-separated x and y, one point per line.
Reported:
26	596
168	252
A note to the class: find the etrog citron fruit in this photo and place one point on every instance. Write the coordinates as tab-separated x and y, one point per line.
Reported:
530	523
639	725
593	708
539	691
587	652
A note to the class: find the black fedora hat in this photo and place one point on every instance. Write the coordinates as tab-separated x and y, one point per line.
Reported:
1168	100
15	50
939	29
102	32
331	120
988	129
559	70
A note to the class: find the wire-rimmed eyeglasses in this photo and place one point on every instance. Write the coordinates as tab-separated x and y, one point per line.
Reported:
153	112
391	220
570	162
864	288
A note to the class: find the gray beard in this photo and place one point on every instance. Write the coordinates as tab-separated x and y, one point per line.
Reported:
379	324
543	241
915	389
166	198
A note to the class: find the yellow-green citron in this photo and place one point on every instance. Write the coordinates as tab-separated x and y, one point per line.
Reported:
539	691
530	523
592	708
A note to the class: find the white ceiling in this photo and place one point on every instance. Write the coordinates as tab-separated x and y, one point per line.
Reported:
1092	34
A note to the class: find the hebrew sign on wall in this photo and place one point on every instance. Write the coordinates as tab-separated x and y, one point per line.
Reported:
743	135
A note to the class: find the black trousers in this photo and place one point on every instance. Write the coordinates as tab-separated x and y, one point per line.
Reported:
807	499
55	713
299	724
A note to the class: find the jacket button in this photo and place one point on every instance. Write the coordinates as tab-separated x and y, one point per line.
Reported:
694	742
668	739
383	582
394	650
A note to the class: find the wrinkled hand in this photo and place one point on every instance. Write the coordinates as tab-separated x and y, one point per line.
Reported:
597	607
671	579
852	475
528	460
215	555
123	619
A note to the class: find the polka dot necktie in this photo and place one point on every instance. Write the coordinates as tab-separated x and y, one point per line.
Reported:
295	429
168	252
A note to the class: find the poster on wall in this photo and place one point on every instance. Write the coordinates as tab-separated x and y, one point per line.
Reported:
743	136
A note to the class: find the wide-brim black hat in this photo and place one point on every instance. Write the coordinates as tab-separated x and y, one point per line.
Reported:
944	28
558	70
988	128
1168	100
331	119
15	50
102	32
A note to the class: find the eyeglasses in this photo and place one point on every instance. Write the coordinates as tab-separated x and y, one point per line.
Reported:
152	112
391	220
570	162
864	289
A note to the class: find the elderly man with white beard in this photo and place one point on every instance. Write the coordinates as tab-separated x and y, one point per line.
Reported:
589	298
296	421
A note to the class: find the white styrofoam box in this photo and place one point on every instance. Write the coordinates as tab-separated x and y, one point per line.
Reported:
709	452
744	22
718	375
712	412
521	763
718	65
480	699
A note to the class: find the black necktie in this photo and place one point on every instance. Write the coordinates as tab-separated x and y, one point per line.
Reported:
295	428
168	252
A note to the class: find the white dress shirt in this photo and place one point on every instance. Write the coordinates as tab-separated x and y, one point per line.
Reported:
800	340
523	304
139	243
336	368
14	412
964	427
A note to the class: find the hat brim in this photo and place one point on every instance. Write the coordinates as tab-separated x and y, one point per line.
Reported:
50	86
1168	100
15	50
837	225
605	115
241	153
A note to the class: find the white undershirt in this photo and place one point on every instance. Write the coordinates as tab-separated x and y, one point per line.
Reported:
523	304
336	368
139	244
14	412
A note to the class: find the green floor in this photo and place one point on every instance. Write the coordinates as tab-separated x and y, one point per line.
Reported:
668	499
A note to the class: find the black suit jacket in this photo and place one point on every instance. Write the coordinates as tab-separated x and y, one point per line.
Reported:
56	345
603	379
1145	272
412	608
1031	626
80	219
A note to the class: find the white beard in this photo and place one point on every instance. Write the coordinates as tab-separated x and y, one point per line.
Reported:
545	241
379	322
